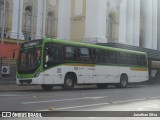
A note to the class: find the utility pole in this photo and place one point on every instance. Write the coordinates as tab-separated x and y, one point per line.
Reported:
32	25
3	21
18	29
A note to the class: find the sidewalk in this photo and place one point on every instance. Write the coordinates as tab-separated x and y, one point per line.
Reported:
13	87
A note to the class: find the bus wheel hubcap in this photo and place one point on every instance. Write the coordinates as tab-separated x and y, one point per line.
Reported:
69	82
124	82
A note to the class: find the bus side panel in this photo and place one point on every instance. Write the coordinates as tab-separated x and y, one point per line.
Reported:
143	76
124	70
115	73
106	74
53	76
39	80
82	72
85	74
99	74
133	76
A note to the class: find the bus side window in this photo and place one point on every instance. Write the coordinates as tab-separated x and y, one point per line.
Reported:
133	60
94	56
100	56
112	57
69	53
85	55
52	55
141	60
145	61
91	56
123	59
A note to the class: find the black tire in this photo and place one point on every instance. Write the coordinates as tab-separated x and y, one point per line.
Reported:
69	83
123	82
47	87
157	76
102	86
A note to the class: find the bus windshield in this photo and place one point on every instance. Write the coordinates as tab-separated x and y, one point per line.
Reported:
29	60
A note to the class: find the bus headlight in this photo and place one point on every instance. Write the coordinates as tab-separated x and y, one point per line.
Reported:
37	74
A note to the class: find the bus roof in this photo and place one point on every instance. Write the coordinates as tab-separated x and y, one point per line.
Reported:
66	42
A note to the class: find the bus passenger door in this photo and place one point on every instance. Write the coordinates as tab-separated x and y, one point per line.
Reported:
52	57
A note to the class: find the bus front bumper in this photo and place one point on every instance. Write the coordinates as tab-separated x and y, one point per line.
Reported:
28	81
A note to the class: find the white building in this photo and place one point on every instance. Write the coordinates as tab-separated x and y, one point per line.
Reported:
133	22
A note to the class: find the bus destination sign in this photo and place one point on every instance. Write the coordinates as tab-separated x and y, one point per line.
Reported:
30	44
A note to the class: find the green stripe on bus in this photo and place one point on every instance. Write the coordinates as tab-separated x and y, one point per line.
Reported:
66	42
79	64
139	68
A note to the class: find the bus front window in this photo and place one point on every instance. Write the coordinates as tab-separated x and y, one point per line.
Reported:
29	60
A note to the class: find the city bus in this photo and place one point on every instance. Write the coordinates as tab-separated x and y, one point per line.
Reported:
54	62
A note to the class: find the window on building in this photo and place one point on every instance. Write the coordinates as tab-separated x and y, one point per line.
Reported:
109	28
28	19
50	24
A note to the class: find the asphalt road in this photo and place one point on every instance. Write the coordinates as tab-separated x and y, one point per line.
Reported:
140	98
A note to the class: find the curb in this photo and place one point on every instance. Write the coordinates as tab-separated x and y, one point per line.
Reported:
14	87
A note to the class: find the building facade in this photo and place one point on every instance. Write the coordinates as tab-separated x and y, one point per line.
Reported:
123	21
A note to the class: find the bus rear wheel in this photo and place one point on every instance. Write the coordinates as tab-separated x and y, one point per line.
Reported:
102	86
68	83
123	82
47	87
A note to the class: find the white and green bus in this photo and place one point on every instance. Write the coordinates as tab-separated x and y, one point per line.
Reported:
54	62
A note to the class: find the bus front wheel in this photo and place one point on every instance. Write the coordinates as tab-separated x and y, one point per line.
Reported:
47	87
123	82
68	83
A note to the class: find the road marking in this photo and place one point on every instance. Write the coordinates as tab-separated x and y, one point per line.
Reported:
92	118
154	97
129	100
57	109
10	95
61	100
149	106
98	104
82	106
